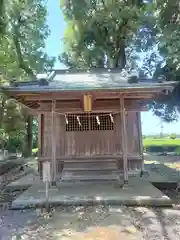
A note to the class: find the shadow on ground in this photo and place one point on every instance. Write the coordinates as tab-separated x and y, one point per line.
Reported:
158	223
102	223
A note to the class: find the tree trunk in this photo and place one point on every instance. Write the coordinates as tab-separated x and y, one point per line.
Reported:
120	60
2	18
29	137
2	105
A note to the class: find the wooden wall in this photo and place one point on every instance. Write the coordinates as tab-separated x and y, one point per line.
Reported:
92	143
87	143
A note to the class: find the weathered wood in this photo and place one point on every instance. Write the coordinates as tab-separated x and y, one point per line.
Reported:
100	105
35	99
105	177
92	157
124	139
89	147
78	111
53	139
101	94
40	143
140	139
39	135
47	135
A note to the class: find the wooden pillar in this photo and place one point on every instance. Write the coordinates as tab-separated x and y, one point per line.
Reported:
40	143
124	139
140	139
53	140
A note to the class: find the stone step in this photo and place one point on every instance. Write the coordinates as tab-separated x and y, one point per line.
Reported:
86	160
95	168
90	172
90	164
102	177
96	175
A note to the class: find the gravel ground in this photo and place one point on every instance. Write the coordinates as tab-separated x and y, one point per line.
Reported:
102	223
93	223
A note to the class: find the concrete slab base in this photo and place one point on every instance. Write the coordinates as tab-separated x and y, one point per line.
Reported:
161	176
23	182
138	192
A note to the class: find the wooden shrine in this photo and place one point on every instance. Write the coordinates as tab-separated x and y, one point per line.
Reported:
89	121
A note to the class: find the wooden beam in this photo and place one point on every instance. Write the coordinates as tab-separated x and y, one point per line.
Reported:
71	98
53	140
111	105
103	110
76	95
140	139
124	139
40	127
39	135
72	158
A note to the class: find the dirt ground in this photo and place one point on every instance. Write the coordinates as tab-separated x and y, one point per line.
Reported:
91	223
96	223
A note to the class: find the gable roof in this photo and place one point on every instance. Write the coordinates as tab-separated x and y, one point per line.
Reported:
97	79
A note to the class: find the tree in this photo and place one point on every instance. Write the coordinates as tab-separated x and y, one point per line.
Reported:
2	18
167	67
172	136
22	48
26	33
110	34
103	33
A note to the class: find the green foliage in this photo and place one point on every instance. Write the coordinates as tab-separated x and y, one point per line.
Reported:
172	136
178	151
110	33
161	141
168	47
22	56
161	145
2	18
168	21
103	33
22	46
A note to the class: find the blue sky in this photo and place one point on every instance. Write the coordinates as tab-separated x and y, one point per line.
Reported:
54	45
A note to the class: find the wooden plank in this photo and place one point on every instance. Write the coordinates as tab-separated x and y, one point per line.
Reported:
124	139
39	135
103	110
111	105
40	143
101	94
106	168
104	96
91	157
140	139
104	177
91	160
53	139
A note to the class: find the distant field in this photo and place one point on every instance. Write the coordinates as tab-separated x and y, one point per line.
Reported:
161	141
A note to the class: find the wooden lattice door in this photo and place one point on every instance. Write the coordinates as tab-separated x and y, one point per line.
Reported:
89	133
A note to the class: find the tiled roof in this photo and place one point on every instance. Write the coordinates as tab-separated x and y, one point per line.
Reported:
86	80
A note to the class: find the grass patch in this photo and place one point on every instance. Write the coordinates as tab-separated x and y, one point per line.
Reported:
151	162
161	145
175	165
34	150
161	142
